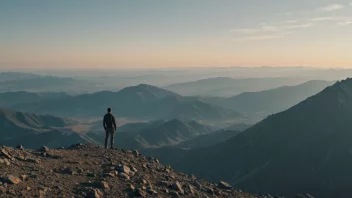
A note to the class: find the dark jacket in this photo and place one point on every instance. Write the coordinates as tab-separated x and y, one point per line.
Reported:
109	121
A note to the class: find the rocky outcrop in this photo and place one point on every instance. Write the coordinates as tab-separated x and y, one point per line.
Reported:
90	171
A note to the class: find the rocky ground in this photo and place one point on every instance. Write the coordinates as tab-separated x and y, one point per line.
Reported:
90	171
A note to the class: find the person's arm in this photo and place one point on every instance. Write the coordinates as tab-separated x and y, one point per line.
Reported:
104	122
114	122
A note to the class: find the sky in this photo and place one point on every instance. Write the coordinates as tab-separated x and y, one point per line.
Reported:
175	33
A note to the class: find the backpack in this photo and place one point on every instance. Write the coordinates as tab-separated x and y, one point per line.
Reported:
108	120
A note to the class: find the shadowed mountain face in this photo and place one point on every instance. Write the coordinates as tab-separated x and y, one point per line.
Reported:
33	130
304	149
142	101
226	87
155	134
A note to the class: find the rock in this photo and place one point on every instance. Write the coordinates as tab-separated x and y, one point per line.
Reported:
96	193
131	187
6	154
36	161
124	175
152	191
24	177
109	175
178	187
124	169
189	189
20	147
174	194
102	185
210	191
2	190
140	193
5	162
12	179
69	171
80	170
136	153
224	185
163	183
198	185
133	168
44	149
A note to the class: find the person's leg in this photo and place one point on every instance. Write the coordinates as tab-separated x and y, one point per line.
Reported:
106	138
112	138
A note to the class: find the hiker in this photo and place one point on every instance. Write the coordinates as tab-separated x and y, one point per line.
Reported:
110	128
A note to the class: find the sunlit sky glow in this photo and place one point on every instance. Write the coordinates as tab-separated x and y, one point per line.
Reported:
179	33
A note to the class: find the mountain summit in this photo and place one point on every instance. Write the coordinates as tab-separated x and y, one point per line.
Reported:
90	171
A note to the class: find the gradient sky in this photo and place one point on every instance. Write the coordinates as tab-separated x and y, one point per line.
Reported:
175	33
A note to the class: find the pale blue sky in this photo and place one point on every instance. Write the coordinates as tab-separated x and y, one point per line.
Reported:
179	33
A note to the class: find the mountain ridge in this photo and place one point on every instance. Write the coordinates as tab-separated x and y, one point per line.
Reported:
309	141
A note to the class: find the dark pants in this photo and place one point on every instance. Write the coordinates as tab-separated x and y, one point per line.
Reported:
109	132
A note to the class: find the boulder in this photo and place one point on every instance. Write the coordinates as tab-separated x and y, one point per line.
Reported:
178	187
96	193
124	175
124	169
12	179
224	185
6	154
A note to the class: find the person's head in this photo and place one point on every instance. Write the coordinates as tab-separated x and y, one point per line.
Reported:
109	110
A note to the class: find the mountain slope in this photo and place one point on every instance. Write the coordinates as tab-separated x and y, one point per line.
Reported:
90	171
226	87
273	100
308	145
34	130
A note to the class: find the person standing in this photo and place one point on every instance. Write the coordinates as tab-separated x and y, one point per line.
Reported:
110	128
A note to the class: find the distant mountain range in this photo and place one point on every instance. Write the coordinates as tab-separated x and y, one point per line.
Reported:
306	148
33	130
226	87
155	134
142	101
11	76
270	101
16	81
13	99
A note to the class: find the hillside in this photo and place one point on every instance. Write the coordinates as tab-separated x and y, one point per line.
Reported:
34	130
155	134
226	87
273	100
308	145
142	101
90	171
